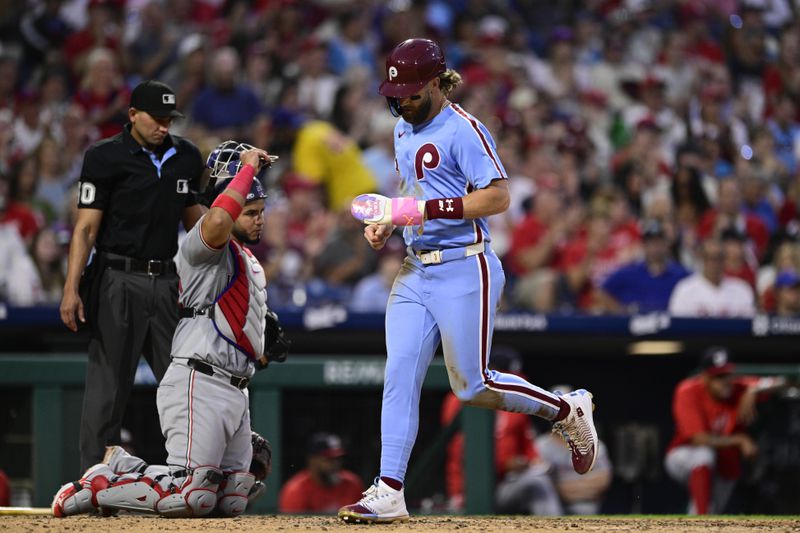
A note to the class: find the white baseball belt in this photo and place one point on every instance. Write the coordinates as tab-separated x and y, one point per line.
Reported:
435	257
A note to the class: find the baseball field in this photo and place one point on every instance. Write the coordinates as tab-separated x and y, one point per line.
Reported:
269	523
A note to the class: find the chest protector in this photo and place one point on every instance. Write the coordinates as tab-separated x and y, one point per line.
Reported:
240	309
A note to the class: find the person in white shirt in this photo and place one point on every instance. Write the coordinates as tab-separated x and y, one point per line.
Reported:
710	293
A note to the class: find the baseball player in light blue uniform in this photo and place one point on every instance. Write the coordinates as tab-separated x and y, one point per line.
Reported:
451	282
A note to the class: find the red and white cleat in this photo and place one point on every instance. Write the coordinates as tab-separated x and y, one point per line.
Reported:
578	430
381	504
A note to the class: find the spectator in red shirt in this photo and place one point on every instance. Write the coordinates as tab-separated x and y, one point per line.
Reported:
524	483
589	259
738	261
783	76
728	213
323	486
101	31
711	411
103	93
537	248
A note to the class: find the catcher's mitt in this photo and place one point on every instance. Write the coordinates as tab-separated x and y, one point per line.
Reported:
276	345
261	464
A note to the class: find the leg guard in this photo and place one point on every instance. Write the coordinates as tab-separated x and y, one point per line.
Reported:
81	496
169	494
196	496
233	493
137	492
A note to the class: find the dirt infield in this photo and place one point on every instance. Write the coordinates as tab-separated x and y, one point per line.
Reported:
288	524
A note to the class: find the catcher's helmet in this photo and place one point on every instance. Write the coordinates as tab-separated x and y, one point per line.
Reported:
225	163
411	65
224	160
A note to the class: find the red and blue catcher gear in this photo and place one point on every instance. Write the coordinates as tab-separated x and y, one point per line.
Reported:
237	319
411	65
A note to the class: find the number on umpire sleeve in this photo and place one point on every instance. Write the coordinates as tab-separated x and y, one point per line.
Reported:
88	192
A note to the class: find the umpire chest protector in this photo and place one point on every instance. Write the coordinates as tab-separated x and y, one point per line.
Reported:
142	194
240	310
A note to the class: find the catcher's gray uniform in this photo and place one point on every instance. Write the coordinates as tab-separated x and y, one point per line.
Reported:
206	419
202	399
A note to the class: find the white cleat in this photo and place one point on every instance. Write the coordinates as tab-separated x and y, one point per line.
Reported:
578	430
380	504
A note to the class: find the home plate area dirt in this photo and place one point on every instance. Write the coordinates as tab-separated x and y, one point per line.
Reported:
288	524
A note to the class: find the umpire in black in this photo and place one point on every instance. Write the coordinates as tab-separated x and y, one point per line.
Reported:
134	189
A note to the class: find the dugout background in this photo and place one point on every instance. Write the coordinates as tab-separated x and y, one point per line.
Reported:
633	396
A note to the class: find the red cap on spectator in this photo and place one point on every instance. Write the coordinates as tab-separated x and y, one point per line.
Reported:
295	182
648	123
713	92
594	97
326	444
96	3
310	43
652	81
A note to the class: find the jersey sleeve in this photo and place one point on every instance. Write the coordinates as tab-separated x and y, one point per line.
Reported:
476	154
197	176
194	249
96	182
688	414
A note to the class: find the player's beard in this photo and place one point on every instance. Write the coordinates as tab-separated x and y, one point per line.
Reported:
421	115
244	237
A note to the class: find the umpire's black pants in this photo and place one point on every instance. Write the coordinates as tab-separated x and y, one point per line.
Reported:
136	315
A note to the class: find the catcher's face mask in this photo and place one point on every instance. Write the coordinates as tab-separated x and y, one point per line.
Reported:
225	162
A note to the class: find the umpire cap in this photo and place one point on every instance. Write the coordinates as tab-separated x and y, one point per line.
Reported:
155	98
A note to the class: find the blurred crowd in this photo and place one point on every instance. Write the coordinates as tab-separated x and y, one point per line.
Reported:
652	146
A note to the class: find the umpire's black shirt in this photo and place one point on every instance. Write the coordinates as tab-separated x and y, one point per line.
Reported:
142	194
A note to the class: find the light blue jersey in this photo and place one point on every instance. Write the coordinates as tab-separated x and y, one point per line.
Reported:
448	157
450	300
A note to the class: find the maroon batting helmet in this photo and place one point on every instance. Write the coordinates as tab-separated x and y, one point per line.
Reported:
411	65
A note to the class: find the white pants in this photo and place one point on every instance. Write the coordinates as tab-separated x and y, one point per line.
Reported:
679	464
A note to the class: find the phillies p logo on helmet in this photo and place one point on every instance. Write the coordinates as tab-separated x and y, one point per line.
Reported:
392	72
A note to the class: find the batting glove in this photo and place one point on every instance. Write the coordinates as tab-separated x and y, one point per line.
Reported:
377	209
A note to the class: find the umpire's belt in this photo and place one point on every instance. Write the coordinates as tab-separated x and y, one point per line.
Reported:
151	267
434	257
240	382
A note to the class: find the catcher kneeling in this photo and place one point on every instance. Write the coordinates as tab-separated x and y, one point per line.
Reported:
215	462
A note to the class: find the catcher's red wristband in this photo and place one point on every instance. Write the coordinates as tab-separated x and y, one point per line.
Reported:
242	181
444	208
223	201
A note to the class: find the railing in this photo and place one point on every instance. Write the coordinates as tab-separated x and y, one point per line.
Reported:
655	324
